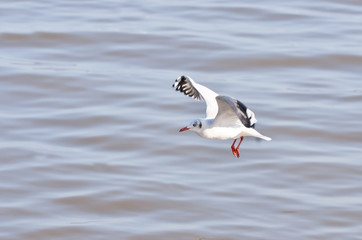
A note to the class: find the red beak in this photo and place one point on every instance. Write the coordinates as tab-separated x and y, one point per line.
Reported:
184	129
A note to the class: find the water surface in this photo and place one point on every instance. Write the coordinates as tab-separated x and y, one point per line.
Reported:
90	147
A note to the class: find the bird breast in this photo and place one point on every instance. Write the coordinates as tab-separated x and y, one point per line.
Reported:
220	133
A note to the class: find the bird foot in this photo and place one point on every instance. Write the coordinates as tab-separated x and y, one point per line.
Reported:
235	151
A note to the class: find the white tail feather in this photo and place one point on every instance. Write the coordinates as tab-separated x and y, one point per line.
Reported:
252	132
265	138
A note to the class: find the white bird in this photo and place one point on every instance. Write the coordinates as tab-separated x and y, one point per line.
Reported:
226	117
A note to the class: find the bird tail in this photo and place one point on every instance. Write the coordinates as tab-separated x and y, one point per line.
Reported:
265	137
256	134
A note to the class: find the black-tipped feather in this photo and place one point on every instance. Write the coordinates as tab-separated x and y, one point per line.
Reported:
243	114
231	109
185	86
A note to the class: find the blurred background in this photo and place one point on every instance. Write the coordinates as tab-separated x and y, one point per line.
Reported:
90	147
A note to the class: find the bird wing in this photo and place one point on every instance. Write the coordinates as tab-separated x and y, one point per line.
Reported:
233	113
197	91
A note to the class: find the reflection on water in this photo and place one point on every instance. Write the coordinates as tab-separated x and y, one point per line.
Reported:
89	123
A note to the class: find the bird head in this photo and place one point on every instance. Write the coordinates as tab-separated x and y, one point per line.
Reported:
195	126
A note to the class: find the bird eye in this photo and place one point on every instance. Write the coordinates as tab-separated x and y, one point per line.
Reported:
195	124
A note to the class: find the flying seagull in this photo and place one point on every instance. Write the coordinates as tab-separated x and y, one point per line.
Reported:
226	117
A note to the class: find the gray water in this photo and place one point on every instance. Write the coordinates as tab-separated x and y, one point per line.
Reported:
90	147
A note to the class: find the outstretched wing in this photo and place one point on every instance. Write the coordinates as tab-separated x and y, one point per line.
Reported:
192	89
232	113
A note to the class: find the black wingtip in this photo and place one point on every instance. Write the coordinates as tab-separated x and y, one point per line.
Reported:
184	84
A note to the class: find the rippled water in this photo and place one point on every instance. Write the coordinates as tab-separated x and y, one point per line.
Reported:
90	147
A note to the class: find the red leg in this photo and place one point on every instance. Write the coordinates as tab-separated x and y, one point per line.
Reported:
237	148
233	148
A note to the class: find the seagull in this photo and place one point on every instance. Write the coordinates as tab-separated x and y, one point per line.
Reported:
226	117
